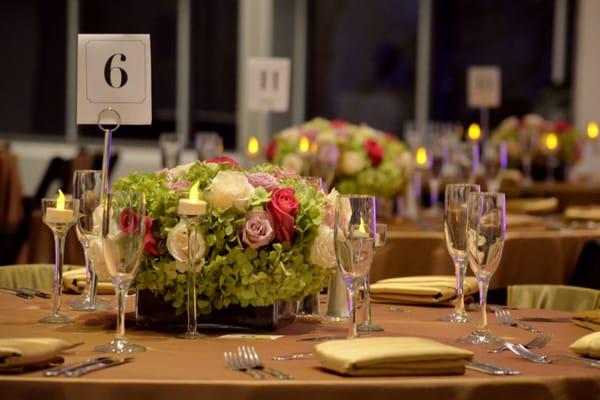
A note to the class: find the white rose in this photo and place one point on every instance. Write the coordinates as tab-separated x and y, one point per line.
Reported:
533	121
328	136
292	162
366	132
97	220
290	135
345	209
177	244
322	251
352	162
179	170
230	189
96	256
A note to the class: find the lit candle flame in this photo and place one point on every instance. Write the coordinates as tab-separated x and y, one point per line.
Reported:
551	141
474	132
304	145
421	156
194	194
361	226
60	200
253	145
592	130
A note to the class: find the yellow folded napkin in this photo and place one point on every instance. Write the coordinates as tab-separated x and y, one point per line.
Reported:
391	356
524	220
587	346
74	281
532	206
588	319
589	213
435	289
18	353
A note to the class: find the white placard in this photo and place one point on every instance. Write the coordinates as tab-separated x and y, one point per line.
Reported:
268	84
114	71
484	87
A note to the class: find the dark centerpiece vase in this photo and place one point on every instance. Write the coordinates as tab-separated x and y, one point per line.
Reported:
152	312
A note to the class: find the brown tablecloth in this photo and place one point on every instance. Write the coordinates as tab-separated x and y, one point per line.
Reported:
531	255
176	369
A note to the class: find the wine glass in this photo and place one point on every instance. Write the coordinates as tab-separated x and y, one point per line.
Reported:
354	239
59	215
368	325
87	186
123	231
529	144
208	145
486	231
455	231
171	148
326	163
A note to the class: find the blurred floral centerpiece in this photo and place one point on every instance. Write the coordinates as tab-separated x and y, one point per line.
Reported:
351	158
267	236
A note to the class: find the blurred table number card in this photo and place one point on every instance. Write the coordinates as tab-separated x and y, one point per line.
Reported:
114	71
268	84
484	86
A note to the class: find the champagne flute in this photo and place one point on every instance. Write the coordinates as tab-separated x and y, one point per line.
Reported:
354	239
123	231
455	231
368	325
87	186
326	163
486	231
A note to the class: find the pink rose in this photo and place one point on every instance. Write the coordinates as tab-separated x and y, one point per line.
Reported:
150	242
283	207
129	222
263	179
223	160
258	230
286	174
179	185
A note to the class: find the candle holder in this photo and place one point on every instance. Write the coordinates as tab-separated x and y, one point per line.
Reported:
59	215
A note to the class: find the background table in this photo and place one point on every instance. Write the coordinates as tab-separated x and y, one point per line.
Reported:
179	369
567	193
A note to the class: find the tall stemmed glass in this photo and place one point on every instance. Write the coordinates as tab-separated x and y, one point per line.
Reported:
59	215
368	325
486	230
87	185
455	231
354	238
123	231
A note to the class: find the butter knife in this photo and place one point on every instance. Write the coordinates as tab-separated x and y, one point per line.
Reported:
491	369
545	319
111	362
62	370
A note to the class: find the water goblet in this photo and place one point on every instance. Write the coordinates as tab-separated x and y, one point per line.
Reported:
208	145
59	215
171	148
354	239
486	231
368	325
455	232
123	231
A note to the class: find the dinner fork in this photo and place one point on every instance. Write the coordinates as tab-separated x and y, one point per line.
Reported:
250	359
505	318
521	351
537	342
234	363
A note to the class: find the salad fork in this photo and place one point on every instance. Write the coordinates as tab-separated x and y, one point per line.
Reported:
234	363
505	318
537	342
250	359
521	351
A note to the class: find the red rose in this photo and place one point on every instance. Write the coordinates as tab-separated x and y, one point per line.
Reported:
283	207
338	123
271	149
150	242
129	222
561	126
223	160
374	151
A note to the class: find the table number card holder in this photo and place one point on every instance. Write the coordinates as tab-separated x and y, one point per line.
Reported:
484	92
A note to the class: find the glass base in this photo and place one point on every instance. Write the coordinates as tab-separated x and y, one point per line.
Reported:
191	335
56	319
333	318
457	317
119	346
82	304
479	337
369	326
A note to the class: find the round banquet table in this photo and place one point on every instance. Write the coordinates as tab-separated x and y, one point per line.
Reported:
531	255
176	369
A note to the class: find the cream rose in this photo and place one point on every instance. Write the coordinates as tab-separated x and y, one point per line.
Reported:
230	189
352	162
177	244
292	162
322	251
327	136
97	220
290	135
179	170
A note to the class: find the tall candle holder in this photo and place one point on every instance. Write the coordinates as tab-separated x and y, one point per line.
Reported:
59	215
551	147
474	135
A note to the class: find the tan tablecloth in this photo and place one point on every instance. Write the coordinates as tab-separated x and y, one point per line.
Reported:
175	369
531	255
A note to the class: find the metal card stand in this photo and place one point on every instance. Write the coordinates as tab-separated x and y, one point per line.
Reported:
106	159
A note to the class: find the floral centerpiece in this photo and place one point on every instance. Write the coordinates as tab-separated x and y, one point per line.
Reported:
267	235
368	161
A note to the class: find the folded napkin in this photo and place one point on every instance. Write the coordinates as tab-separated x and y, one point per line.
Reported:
19	353
587	346
588	319
74	281
391	356
524	220
532	206
435	289
589	213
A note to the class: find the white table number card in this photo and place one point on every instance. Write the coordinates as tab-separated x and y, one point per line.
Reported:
268	84
484	86
114	71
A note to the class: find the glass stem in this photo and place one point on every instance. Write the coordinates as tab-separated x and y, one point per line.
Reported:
59	248
93	288
483	289
88	275
460	271
367	303
433	192
121	288
352	332
191	285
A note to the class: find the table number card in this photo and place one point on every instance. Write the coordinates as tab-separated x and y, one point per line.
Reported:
114	71
484	87
268	84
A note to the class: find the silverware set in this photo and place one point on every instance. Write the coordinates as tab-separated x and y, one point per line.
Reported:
505	318
26	293
536	343
85	367
247	360
523	352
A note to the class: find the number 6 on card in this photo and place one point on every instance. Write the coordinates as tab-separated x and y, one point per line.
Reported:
114	71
